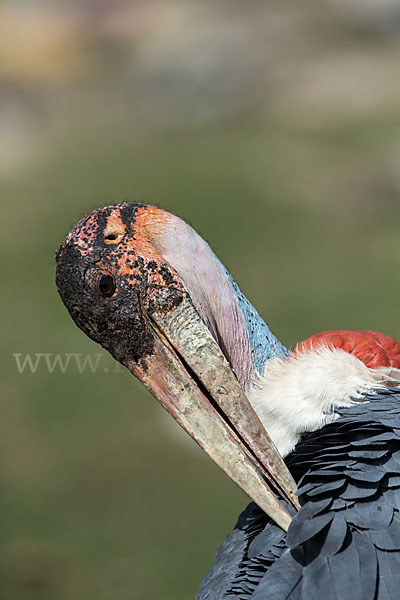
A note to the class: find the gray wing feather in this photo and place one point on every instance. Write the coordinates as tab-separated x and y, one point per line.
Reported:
344	543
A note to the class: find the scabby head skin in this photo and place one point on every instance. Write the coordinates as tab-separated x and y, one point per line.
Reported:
149	289
101	277
145	249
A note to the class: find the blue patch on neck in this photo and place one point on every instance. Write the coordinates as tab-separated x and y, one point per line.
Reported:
264	345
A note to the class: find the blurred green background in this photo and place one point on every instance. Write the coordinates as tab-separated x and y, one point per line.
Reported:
274	129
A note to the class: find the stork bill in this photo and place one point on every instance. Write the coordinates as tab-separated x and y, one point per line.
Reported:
144	285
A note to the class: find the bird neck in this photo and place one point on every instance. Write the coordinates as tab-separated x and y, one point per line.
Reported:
264	344
241	333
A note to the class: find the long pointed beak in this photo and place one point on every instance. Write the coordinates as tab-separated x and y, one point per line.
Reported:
189	375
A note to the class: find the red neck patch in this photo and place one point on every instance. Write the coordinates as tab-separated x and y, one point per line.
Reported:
372	348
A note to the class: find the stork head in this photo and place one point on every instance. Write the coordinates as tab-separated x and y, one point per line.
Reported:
148	288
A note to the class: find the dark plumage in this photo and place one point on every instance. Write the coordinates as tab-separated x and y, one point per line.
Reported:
345	540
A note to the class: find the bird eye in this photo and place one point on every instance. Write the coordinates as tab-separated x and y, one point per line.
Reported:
106	286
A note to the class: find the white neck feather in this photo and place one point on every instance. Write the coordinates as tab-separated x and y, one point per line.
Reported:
301	393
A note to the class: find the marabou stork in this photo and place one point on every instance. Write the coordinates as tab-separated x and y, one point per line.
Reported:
149	289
